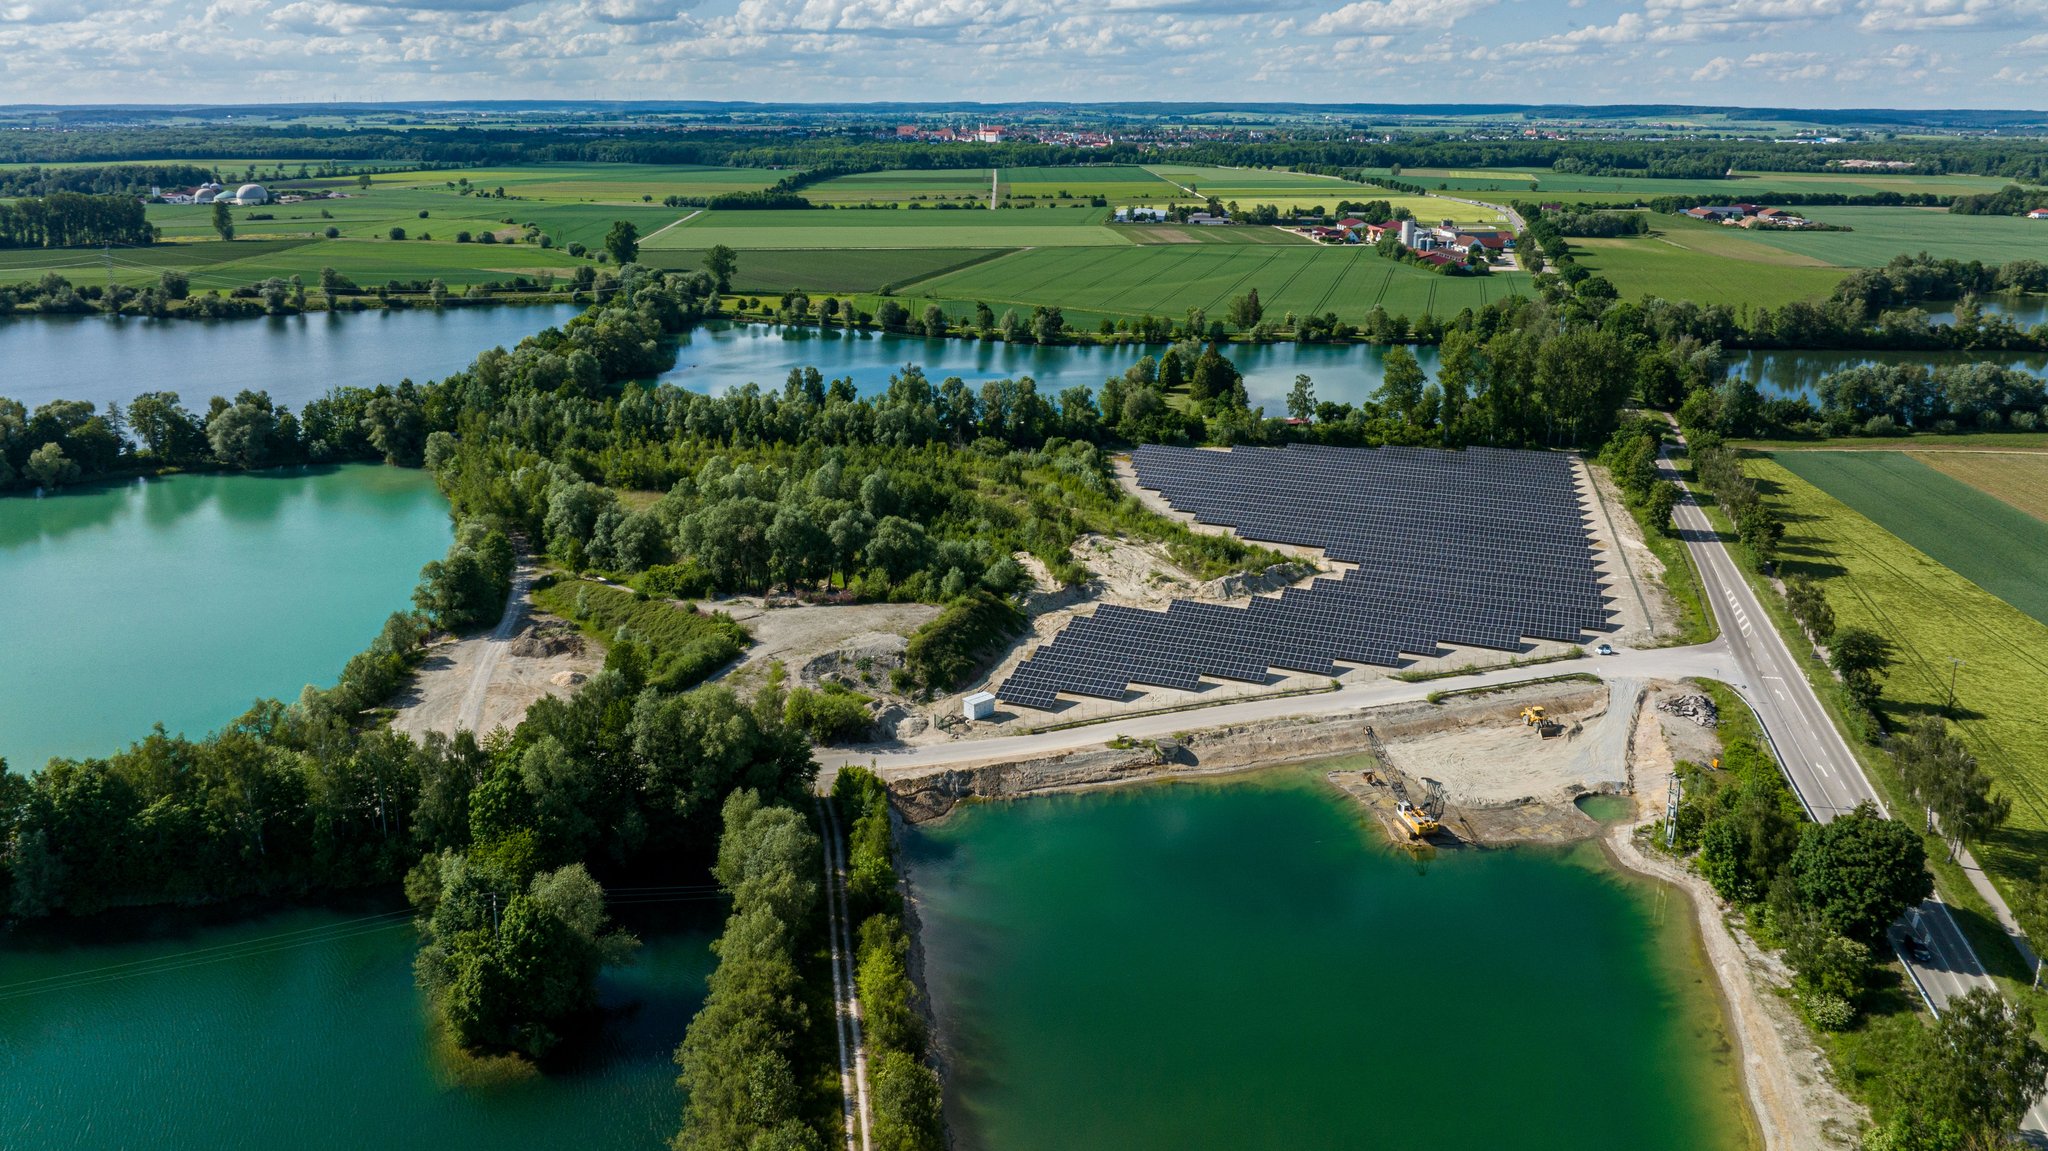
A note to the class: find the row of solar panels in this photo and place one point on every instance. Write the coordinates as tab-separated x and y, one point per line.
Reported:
1481	547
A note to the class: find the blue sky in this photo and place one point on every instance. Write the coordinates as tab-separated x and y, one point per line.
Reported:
1828	53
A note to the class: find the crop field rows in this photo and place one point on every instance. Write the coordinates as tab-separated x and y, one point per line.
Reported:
2018	478
1539	183
1933	614
1974	534
1169	279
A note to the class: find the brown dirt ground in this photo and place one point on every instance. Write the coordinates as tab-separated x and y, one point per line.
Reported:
815	640
548	657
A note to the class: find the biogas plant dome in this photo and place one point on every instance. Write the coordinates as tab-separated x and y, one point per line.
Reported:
251	194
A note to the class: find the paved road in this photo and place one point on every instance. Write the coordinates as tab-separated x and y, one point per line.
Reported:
1710	659
1817	758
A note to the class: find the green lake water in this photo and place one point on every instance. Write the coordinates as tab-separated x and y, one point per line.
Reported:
1244	965
185	599
303	1030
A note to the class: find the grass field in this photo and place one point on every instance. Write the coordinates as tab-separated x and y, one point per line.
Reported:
1540	183
899	187
829	270
1973	533
1878	234
895	228
1118	183
1167	279
1876	580
2018	478
1657	266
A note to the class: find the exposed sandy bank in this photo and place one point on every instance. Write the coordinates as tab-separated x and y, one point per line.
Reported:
1792	1094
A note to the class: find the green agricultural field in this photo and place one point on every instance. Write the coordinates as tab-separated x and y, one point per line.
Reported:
239	263
831	269
591	183
376	212
1878	234
2018	478
1657	266
902	187
1063	227
1543	184
1168	279
1197	234
1974	534
1876	580
1117	183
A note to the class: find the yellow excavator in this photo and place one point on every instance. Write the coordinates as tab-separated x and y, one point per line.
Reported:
1535	716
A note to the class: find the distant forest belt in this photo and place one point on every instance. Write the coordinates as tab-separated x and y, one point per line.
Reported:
830	269
1976	535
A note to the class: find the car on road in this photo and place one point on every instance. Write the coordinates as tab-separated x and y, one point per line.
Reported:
1917	950
1604	649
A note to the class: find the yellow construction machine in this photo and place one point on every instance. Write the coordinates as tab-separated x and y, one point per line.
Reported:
1426	820
1535	716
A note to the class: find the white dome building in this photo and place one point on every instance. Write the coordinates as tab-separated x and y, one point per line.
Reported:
252	194
205	193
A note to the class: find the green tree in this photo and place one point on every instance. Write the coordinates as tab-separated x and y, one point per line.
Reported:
1401	382
1246	311
1860	871
1944	778
1978	1069
1659	505
1301	398
907	1105
1861	657
223	220
721	262
48	467
623	242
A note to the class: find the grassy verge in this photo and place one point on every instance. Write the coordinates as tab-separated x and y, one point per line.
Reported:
1475	669
1681	577
677	646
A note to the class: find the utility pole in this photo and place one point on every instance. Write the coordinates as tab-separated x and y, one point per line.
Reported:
1673	795
1955	665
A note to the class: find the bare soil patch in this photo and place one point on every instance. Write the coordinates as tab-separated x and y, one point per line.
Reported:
547	657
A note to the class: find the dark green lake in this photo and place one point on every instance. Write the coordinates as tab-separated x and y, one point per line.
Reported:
303	1030
1243	964
185	599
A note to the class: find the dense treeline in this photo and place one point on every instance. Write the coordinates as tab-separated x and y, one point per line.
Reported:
1824	892
744	1061
455	146
2011	200
1892	399
70	441
72	219
905	1095
131	180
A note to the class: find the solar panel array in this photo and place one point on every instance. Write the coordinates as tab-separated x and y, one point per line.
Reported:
1481	547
